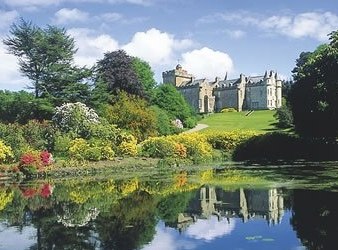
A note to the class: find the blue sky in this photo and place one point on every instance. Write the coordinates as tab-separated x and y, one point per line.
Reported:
209	38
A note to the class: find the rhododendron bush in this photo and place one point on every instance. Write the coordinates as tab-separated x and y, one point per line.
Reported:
75	117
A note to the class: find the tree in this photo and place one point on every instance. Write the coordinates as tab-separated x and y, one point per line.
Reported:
22	106
116	71
145	75
133	114
314	95
168	98
45	56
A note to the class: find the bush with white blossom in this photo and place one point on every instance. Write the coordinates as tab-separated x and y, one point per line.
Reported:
75	117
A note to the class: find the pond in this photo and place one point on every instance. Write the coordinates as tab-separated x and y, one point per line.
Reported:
242	207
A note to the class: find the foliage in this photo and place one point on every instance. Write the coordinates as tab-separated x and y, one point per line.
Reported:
225	110
164	125
6	197
93	151
5	152
185	146
116	71
127	144
22	106
284	147
33	162
42	53
168	98
228	140
75	118
314	95
284	116
133	114
145	75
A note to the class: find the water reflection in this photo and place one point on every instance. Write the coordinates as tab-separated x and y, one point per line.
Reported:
180	212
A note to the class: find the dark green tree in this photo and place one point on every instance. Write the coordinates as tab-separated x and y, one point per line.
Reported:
314	95
117	73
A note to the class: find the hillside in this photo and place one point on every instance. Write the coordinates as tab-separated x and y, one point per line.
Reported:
262	120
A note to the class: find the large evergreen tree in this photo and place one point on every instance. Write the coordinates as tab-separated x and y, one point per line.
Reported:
45	57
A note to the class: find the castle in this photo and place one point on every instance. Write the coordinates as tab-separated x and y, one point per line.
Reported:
243	93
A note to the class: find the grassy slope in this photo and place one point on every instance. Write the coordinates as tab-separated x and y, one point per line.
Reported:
262	120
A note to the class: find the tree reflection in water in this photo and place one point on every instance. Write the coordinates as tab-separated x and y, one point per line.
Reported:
124	214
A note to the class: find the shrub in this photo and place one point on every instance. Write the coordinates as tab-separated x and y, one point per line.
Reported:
228	141
226	110
75	117
133	114
127	144
5	152
62	142
12	135
39	135
192	146
158	147
198	148
163	123
33	162
94	150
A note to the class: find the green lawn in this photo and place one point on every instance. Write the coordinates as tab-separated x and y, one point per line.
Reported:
262	120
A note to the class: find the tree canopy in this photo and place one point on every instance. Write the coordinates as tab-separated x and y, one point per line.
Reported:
45	55
314	95
116	71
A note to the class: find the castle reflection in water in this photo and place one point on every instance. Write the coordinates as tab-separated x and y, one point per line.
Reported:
247	204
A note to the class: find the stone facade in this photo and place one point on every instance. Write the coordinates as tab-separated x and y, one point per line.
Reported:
243	93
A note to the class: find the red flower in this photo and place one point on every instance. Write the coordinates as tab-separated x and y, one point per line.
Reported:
46	190
29	192
27	159
45	157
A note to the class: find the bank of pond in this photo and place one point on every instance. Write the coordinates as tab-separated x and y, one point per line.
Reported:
29	152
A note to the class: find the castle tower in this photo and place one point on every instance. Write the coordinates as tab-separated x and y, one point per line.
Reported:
177	76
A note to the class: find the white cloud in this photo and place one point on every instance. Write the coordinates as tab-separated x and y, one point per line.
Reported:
315	25
311	24
206	62
10	77
210	229
65	15
7	18
156	47
165	240
91	46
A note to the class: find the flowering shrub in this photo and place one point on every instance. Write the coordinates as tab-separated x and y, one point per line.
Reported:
75	117
83	150
127	144
228	141
5	152
33	162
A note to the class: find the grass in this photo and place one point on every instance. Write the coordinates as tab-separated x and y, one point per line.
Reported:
261	120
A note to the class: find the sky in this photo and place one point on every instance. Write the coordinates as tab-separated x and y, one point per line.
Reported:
209	38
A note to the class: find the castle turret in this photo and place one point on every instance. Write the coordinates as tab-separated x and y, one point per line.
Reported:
177	76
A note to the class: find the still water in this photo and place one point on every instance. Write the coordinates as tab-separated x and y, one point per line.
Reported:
223	209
